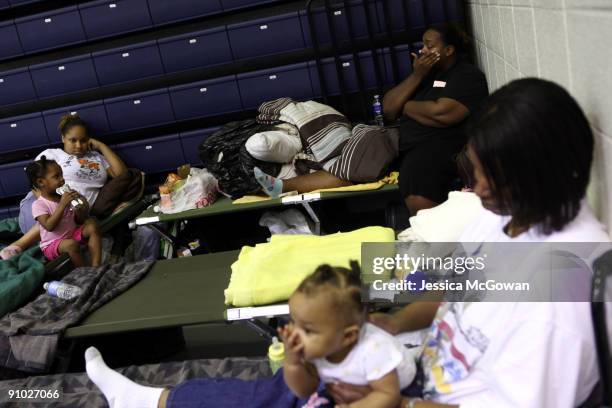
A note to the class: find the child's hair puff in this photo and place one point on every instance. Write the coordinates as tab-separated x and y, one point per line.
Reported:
38	169
347	282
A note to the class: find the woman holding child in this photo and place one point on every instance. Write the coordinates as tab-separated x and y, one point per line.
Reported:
531	148
90	168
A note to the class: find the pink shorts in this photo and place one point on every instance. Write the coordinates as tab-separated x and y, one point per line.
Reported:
52	250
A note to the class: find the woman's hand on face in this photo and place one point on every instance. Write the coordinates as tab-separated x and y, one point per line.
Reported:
346	393
385	321
422	64
95	144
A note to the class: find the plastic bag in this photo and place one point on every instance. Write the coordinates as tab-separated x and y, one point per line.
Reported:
199	190
290	221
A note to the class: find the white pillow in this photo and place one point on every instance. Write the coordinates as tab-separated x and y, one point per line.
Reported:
274	146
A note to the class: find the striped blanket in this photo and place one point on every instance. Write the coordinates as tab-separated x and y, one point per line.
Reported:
361	154
323	130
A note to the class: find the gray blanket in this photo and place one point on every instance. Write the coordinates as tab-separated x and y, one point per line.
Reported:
30	335
79	391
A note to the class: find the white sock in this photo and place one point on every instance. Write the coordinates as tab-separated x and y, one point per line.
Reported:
120	392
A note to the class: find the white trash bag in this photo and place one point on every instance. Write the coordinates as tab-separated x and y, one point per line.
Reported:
200	190
290	221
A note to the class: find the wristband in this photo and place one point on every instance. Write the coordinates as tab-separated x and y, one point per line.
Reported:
412	401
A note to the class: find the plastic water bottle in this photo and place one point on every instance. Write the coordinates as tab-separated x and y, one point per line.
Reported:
62	290
66	189
276	355
377	108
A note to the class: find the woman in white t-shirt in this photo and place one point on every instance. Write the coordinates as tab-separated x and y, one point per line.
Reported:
86	164
531	148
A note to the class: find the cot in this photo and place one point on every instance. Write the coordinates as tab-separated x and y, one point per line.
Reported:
224	206
105	226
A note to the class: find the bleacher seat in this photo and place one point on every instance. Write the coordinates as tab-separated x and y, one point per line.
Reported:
64	76
397	18
13	211
236	4
206	98
139	110
164	11
190	142
152	155
4	4
16	3
266	36
102	18
259	86
16	86
4	212
339	16
9	40
403	59
23	131
128	63
13	178
349	73
195	50
94	113
51	29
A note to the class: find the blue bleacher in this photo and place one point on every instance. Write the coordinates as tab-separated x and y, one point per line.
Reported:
9	40
190	142
349	73
94	113
51	29
64	76
139	110
164	11
128	63
13	178
339	18
206	98
16	3
266	36
4	4
264	85
283	33
195	50
16	86
103	18
236	4
23	131
152	155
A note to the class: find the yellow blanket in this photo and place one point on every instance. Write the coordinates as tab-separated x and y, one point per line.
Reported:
269	273
390	179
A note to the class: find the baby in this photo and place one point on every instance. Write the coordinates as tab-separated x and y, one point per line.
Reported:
329	339
62	228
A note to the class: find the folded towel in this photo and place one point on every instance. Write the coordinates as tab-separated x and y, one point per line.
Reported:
269	273
445	222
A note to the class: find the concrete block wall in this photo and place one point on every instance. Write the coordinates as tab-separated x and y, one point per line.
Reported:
566	41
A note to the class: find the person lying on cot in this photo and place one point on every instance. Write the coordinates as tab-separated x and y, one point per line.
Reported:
86	164
531	148
432	105
63	220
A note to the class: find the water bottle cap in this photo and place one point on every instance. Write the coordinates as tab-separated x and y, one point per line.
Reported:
377	96
46	285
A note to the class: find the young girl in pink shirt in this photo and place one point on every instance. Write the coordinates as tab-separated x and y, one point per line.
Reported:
62	227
